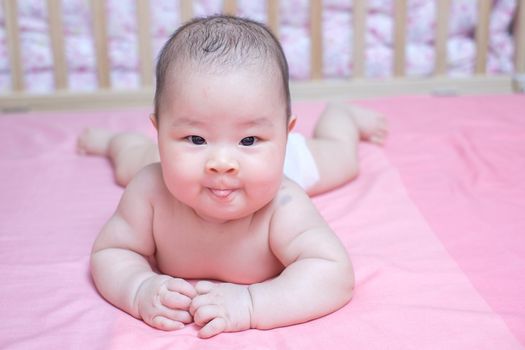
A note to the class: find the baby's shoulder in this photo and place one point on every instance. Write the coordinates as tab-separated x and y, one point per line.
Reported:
291	203
148	180
294	213
290	193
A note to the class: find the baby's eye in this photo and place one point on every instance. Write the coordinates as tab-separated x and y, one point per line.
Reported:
248	141
196	140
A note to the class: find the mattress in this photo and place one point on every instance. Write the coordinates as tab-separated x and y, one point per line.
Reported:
434	225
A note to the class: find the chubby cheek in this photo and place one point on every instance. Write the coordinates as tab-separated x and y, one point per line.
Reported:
264	175
180	171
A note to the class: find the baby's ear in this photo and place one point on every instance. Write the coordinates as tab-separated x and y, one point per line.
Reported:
153	120
291	122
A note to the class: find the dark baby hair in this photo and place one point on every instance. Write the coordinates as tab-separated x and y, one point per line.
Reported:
220	42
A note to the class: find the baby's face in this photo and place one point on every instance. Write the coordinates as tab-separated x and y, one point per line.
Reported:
222	140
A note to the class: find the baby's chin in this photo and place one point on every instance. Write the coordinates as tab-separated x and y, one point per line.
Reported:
222	218
222	214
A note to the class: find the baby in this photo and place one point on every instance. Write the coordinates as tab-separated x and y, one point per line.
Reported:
214	233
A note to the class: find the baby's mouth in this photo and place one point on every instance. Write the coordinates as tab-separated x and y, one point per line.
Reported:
222	193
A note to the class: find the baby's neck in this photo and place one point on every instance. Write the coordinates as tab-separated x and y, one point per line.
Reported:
219	224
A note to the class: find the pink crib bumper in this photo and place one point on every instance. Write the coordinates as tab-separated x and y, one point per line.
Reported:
294	34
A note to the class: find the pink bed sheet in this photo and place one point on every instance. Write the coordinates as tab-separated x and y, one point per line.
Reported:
434	225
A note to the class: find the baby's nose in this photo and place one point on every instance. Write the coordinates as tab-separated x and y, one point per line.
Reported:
222	164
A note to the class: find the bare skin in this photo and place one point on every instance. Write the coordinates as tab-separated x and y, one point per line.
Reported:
217	208
209	229
333	145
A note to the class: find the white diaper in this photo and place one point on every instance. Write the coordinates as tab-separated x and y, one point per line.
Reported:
299	164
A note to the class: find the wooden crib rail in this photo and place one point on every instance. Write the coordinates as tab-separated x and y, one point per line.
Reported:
357	86
519	38
13	44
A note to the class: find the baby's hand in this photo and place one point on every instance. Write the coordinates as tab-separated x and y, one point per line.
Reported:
223	307
163	302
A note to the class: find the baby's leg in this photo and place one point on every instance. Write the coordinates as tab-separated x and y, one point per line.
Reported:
335	140
128	152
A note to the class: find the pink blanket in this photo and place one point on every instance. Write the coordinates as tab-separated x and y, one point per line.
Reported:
434	225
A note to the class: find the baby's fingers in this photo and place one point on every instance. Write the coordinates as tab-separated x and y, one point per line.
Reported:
168	319
208	317
181	286
177	315
166	324
205	313
175	300
204	287
212	328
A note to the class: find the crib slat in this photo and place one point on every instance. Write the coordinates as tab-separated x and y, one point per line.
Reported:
186	10
519	39
230	7
272	11
482	35
56	32
144	41
359	18
442	18
100	35
13	44
400	19
316	37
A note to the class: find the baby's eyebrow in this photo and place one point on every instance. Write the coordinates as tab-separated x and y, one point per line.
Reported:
258	122
245	123
186	122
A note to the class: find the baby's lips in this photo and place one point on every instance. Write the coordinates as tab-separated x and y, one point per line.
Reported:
221	193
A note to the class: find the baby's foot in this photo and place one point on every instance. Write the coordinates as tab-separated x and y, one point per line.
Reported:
94	141
371	124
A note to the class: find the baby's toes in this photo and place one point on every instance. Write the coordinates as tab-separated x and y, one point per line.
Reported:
382	128
377	139
378	136
82	143
380	132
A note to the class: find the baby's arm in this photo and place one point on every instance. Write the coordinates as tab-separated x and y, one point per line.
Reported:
318	278
120	267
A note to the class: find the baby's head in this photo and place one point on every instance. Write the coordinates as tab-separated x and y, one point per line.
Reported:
221	44
222	112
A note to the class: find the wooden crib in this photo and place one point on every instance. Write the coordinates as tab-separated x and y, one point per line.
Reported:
358	86
433	224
